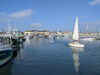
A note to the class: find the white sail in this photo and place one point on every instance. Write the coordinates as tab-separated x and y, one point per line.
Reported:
76	34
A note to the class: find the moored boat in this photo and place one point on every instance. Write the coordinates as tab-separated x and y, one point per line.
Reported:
5	53
75	42
87	38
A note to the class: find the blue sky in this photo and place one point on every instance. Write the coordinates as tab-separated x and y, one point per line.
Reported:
50	14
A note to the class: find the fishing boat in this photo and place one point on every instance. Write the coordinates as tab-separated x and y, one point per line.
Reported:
75	42
5	53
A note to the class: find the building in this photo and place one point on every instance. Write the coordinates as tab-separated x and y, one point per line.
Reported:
36	32
30	32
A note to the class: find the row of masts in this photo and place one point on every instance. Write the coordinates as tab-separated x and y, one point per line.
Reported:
10	30
89	28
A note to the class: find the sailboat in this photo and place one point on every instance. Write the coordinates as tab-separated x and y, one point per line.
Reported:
87	38
75	42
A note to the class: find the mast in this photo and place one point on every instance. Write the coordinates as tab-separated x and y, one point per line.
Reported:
9	28
87	28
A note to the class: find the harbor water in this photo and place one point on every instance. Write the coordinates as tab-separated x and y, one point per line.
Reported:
41	56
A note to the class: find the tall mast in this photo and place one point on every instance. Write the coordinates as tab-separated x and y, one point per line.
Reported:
9	27
87	28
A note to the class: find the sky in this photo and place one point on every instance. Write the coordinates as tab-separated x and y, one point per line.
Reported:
50	14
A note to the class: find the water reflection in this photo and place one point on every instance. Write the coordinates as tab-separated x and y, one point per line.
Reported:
6	69
15	53
75	52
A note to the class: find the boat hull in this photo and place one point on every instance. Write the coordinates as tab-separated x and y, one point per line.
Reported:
28	37
87	39
5	56
76	45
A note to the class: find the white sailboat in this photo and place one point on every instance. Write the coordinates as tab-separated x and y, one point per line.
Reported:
87	38
75	42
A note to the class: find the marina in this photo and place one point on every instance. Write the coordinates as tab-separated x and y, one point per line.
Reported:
49	37
49	52
45	56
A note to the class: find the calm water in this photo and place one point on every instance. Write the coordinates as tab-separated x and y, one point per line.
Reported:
54	57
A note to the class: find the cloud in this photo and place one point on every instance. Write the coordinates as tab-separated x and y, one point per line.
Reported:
95	2
16	15
21	14
4	17
2	14
35	25
84	16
